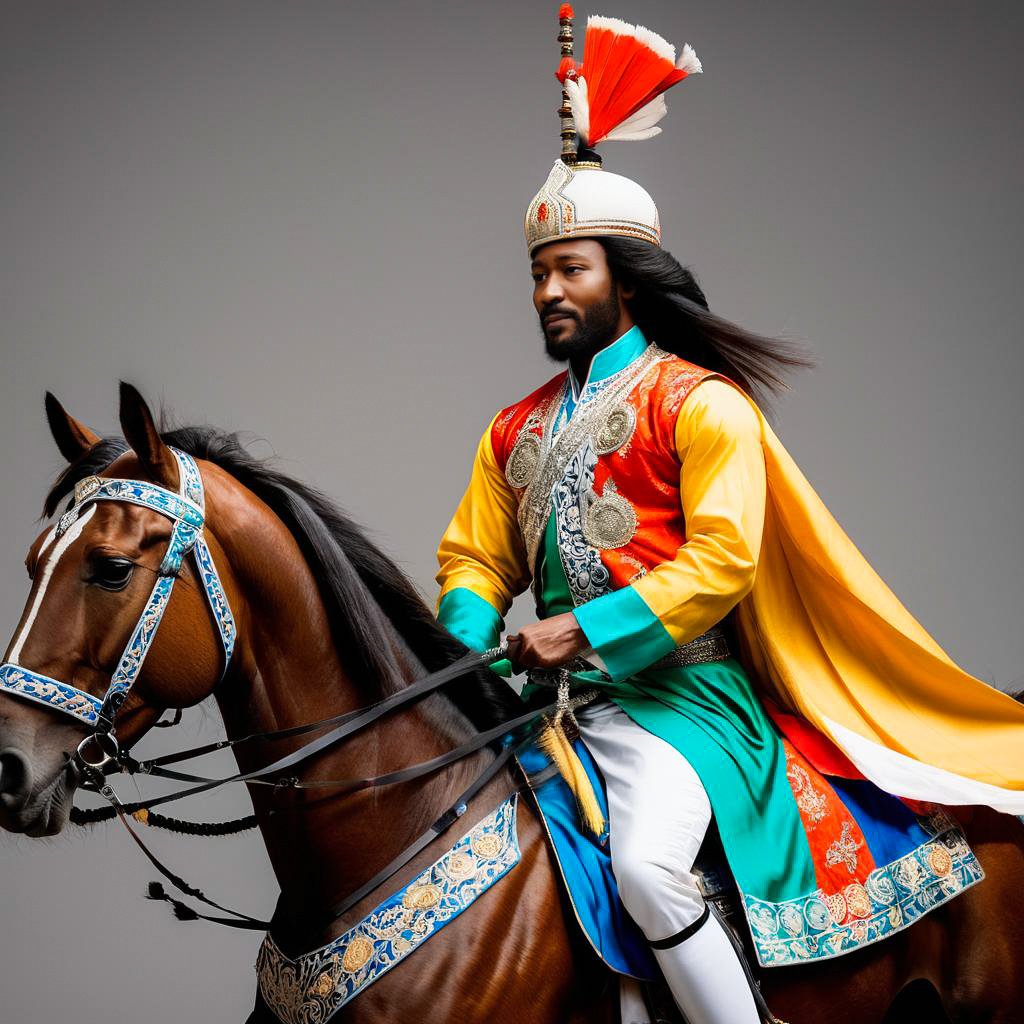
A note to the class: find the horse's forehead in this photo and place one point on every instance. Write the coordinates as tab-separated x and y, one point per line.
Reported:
120	520
125	467
36	547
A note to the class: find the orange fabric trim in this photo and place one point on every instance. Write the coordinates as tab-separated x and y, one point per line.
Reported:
842	860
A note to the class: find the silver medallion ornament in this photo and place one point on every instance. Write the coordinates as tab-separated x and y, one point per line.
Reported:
65	521
86	488
522	462
610	521
616	429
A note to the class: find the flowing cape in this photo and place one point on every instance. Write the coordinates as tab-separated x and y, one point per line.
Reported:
828	642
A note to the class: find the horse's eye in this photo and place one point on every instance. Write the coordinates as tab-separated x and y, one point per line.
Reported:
111	573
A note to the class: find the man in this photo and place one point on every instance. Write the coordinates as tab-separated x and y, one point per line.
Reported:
660	521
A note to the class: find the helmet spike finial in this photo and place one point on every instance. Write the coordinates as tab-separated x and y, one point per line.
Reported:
568	130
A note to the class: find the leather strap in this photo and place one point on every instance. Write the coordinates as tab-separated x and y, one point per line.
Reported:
349	724
683	934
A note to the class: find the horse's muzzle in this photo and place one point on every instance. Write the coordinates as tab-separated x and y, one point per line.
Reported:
25	806
15	780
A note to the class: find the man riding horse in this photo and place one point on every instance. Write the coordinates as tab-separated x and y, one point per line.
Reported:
750	662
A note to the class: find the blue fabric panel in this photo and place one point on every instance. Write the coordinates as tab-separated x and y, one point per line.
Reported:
889	826
587	868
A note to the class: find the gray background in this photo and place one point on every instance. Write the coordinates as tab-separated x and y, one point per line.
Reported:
304	220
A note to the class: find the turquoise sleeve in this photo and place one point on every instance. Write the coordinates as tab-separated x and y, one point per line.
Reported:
627	635
475	622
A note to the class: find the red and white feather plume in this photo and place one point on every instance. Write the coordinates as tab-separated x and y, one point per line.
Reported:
616	94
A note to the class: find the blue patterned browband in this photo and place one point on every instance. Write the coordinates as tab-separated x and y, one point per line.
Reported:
311	989
187	510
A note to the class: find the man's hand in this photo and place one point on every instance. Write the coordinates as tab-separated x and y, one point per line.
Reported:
548	643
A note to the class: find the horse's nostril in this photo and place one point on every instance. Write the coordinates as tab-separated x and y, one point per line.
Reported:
15	779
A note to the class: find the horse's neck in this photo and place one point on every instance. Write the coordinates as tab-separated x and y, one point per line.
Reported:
321	846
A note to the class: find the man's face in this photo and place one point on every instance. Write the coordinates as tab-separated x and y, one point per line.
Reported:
579	305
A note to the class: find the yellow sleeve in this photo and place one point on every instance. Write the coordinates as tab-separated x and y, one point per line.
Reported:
722	494
481	555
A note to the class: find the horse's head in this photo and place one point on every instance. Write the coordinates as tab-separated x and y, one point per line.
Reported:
94	589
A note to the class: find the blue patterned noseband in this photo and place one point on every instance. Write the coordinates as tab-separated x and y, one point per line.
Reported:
186	510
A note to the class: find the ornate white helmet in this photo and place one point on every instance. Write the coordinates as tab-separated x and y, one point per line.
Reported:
615	95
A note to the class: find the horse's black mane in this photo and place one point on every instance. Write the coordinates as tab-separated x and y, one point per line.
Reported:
359	584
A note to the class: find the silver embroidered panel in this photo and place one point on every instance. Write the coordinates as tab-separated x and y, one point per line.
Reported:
589	417
586	574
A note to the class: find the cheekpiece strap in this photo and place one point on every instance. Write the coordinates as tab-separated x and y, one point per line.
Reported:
192	490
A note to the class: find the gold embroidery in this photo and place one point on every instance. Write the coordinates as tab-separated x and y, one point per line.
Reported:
940	861
535	504
86	488
357	954
858	900
836	906
460	865
810	801
486	845
324	985
641	569
421	897
844	849
522	463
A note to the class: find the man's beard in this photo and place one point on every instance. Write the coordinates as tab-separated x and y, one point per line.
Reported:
594	331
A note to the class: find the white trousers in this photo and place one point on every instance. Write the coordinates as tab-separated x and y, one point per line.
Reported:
658	814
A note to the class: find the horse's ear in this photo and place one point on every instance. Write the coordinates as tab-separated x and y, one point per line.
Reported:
73	439
141	433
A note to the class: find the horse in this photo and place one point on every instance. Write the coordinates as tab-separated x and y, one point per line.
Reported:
326	624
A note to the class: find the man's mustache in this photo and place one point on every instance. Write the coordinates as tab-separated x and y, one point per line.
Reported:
554	311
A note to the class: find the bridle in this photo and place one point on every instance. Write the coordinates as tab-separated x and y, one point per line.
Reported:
100	750
100	754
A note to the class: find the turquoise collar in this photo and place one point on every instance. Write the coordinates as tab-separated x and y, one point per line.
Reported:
612	359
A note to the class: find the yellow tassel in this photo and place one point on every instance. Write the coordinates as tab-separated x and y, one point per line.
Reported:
554	743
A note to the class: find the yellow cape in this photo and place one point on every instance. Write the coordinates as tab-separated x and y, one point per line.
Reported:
829	641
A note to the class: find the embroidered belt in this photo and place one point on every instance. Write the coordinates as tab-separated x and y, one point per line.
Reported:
709	646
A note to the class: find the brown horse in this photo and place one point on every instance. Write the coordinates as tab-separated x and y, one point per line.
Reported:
326	623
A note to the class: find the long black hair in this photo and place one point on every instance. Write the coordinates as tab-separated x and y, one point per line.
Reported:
671	309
